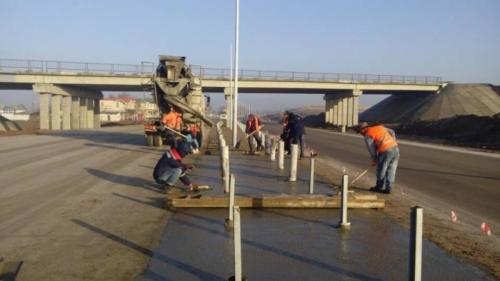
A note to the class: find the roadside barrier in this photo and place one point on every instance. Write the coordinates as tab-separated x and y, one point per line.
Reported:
229	223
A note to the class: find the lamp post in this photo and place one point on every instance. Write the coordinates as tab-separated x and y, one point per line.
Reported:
236	68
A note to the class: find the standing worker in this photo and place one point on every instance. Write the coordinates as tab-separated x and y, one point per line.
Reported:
253	126
384	151
295	127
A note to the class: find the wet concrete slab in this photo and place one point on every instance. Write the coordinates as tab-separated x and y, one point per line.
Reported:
289	244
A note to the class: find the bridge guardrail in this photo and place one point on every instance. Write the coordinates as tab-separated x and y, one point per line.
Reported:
148	68
245	74
48	66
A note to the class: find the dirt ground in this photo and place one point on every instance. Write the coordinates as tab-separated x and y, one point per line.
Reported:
460	239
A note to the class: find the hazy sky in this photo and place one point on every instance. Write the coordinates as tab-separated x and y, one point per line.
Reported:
456	39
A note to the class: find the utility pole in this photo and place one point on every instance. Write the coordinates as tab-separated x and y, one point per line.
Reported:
236	70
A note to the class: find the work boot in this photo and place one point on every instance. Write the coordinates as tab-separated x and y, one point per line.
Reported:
386	191
375	189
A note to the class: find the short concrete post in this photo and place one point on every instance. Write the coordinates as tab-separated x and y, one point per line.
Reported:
311	177
293	162
273	149
229	223
268	144
416	228
225	166
223	162
342	129
237	245
344	223
281	155
263	140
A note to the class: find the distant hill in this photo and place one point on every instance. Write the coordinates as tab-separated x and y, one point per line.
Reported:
302	111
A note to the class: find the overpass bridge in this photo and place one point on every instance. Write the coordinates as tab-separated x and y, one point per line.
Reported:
70	91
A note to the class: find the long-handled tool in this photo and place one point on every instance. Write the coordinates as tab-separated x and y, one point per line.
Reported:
177	133
247	136
359	176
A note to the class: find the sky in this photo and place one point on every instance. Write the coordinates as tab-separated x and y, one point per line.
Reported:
458	40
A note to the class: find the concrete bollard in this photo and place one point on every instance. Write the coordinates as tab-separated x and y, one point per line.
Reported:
274	143
293	162
229	223
344	223
263	140
225	167
311	176
268	144
343	129
416	229
281	155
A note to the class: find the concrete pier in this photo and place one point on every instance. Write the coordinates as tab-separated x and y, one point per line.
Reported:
44	111
83	113
70	107
66	113
75	113
55	112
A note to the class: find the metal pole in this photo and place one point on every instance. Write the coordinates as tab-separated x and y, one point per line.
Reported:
311	177
344	224
293	162
231	90
236	67
416	227
237	244
281	155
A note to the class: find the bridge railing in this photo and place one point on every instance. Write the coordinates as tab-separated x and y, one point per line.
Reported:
47	66
244	74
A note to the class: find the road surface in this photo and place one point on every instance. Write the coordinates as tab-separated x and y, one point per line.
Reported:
77	206
454	178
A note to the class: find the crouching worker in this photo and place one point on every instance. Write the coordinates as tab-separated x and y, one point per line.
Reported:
384	151
170	167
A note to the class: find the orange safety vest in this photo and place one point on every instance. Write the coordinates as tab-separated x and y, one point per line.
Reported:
172	120
381	137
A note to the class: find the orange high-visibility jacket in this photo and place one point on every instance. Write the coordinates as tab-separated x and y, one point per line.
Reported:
172	120
382	139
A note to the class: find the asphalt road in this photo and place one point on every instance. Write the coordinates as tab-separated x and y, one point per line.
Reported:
458	179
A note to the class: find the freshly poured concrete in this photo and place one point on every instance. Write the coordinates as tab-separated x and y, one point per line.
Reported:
289	244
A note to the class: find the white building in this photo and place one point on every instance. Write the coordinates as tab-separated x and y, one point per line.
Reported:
127	109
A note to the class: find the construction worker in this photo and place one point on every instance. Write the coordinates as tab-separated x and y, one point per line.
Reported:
384	151
172	119
296	131
253	127
170	167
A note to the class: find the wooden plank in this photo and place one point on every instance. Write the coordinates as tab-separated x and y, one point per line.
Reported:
276	201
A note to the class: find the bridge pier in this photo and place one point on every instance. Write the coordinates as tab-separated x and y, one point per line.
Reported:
79	108
342	108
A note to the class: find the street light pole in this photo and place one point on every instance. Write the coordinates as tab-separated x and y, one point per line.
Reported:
236	68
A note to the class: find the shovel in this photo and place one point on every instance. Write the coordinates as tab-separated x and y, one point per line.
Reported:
247	136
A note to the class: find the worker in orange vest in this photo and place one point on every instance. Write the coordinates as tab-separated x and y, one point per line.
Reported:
172	119
253	127
384	151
